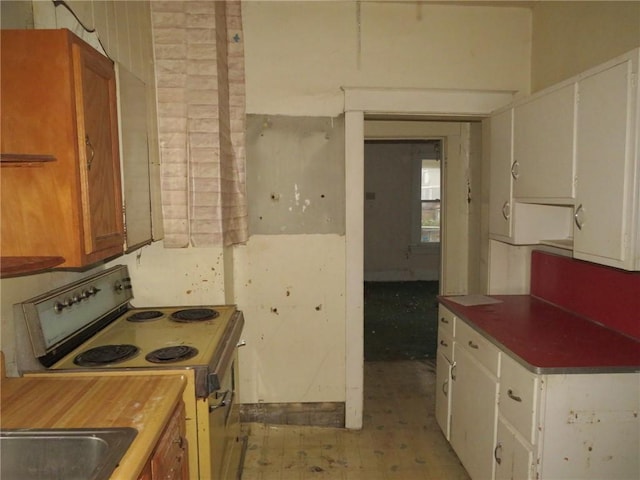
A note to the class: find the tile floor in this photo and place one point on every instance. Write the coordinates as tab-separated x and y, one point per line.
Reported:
400	438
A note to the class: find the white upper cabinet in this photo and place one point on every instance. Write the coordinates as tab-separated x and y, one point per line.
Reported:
500	201
564	166
543	166
606	211
134	154
511	221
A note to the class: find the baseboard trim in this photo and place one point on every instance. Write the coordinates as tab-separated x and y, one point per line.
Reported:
320	414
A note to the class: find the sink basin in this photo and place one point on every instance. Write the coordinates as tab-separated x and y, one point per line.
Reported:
69	454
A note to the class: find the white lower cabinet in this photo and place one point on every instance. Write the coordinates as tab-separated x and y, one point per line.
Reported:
512	454
474	393
444	364
506	422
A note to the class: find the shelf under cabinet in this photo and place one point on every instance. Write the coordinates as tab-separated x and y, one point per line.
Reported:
564	243
14	266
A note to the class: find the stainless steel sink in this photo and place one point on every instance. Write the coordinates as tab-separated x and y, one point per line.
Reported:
69	454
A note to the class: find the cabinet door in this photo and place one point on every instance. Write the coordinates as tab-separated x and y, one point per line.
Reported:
513	457
500	203
443	397
543	153
605	166
134	151
474	394
98	151
169	460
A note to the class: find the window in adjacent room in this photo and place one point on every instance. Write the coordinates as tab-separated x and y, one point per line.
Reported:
430	201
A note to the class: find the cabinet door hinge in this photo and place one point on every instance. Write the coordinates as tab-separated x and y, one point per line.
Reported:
124	220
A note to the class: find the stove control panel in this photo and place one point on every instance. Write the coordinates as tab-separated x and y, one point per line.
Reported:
60	313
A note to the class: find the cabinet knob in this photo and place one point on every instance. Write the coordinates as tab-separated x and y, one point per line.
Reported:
475	346
444	320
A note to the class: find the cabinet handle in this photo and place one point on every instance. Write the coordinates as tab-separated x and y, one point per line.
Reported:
443	343
513	396
445	388
578	217
495	453
92	152
515	167
506	210
473	345
444	320
453	371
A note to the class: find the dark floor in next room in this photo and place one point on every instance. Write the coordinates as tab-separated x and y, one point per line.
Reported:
400	320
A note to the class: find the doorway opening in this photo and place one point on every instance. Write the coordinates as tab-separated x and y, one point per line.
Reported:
402	223
436	104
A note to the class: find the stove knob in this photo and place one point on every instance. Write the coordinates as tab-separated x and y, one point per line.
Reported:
93	291
119	286
58	307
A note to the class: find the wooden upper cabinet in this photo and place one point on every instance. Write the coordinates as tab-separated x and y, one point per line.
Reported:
59	100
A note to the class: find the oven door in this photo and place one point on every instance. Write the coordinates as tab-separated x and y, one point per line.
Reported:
224	428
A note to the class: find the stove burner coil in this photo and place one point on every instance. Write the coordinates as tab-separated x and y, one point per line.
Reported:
194	315
144	316
105	354
175	353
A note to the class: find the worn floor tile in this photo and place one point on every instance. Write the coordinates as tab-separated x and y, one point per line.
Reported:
400	439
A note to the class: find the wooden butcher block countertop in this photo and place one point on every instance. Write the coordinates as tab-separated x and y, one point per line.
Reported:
142	402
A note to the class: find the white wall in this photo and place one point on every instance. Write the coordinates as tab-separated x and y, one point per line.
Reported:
570	37
291	290
298	55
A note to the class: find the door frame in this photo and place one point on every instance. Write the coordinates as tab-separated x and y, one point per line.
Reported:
452	105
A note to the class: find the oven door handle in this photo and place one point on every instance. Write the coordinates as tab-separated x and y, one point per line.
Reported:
222	403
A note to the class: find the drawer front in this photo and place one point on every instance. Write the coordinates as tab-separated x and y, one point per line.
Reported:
481	348
518	397
445	343
446	320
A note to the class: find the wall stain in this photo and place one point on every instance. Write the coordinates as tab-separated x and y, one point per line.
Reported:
318	308
274	310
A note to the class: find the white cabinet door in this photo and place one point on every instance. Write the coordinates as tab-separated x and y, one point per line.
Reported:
607	166
509	221
134	151
513	457
474	394
543	147
500	203
443	397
